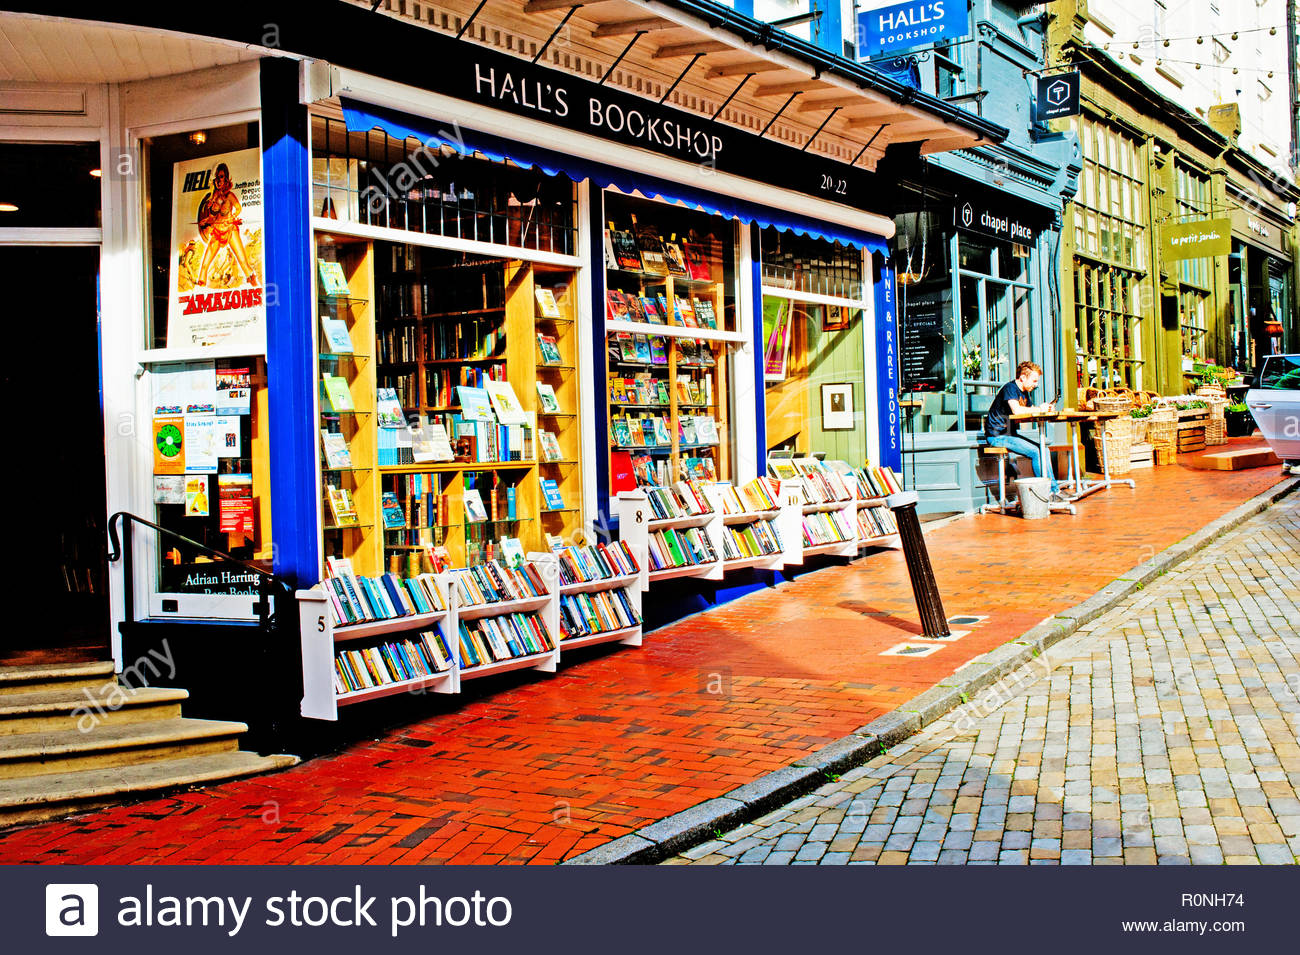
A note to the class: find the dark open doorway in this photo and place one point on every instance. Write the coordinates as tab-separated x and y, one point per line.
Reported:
53	486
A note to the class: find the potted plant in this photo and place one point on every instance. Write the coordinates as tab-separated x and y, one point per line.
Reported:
1237	420
1141	416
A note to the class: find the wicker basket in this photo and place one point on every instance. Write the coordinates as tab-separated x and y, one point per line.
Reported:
1162	432
1117	436
1141	429
1119	400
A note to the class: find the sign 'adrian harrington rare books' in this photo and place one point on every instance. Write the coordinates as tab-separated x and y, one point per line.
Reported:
216	271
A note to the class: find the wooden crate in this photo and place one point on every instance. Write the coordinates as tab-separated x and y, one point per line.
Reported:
1141	456
1191	439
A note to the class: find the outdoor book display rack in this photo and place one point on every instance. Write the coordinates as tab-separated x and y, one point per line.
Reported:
323	640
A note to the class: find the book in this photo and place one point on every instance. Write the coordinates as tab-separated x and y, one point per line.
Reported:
622	433
333	280
661	432
512	552
429	442
550	446
642	345
616	307
475	405
551	492
611	259
550	349
697	261
686	310
505	402
388	409
636	434
628	347
651	248
342	509
674	259
335	394
626	253
658	351
705	314
394	516
475	512
337	454
546	304
337	339
706	429
650	308
546	398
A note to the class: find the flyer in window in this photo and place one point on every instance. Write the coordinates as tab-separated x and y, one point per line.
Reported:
235	500
200	444
216	273
196	496
234	387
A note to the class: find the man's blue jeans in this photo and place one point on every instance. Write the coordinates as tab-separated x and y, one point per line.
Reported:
1017	444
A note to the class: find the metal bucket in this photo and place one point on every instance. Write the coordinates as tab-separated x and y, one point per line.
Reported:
1035	495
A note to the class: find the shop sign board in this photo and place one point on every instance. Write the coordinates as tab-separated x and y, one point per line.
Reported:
1058	96
1253	227
887	375
997	221
1196	240
913	23
924	343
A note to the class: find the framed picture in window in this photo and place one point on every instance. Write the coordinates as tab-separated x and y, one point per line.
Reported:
837	407
835	318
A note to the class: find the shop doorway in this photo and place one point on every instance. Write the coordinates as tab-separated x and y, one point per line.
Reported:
54	486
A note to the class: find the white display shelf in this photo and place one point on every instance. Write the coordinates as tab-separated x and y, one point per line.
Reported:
392	689
675	331
690	570
871	502
596	586
764	560
479	611
823	508
373	628
749	517
678	523
625	635
836	547
503	666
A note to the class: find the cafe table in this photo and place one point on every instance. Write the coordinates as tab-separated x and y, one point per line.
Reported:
1073	419
1042	419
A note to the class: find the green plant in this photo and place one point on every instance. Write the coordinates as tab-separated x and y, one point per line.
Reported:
1237	406
1198	403
1143	412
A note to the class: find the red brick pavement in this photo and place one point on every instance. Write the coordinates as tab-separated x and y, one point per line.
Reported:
550	768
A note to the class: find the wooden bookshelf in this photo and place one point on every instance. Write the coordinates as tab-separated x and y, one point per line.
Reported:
676	367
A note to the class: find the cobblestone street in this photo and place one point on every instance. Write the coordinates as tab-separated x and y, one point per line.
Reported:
1164	732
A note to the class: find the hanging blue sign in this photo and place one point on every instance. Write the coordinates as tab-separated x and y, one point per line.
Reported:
887	377
913	23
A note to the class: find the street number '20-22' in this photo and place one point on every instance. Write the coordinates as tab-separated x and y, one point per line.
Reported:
837	186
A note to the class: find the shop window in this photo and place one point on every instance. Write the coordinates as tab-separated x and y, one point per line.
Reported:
815	379
50	185
205	251
805	264
370	178
450	425
211	469
1192	305
669	270
1108	211
1107	351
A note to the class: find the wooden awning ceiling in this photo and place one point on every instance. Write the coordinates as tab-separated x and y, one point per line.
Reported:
671	54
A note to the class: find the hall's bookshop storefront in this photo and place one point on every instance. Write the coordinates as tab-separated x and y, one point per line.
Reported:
470	378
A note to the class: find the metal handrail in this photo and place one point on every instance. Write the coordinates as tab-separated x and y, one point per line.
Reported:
267	582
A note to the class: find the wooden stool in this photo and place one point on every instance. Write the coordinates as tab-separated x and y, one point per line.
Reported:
1001	454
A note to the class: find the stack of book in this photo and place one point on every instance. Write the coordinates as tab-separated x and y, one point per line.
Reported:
600	562
683	500
827	527
679	548
756	539
730	499
583	615
505	637
356	599
876	522
493	582
397	661
876	481
761	494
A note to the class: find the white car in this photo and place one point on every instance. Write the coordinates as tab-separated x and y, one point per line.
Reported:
1275	404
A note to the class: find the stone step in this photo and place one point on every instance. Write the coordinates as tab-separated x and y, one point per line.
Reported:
107	746
35	798
69	676
106	704
1235	459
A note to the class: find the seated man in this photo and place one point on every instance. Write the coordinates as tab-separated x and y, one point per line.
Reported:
1001	431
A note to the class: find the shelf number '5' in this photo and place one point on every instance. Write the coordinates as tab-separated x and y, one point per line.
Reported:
320	624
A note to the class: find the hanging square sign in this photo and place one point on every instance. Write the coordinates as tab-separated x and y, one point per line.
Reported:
1058	96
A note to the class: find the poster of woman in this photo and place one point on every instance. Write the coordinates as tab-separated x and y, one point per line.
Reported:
217	271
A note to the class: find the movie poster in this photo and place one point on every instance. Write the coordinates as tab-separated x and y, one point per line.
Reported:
216	272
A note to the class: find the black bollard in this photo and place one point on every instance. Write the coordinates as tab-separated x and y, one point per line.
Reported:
934	623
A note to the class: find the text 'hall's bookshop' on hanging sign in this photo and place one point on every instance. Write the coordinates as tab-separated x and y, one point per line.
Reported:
901	26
